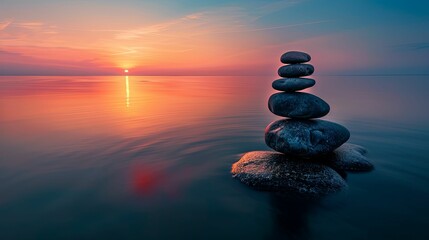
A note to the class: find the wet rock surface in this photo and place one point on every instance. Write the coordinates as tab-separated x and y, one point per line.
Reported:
294	57
272	171
305	138
292	84
296	70
298	105
349	157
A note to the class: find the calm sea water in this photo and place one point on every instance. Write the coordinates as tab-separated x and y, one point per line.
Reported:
149	158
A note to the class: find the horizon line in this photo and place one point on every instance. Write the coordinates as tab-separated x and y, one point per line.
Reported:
178	75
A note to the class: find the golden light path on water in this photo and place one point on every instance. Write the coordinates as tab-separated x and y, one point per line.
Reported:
127	88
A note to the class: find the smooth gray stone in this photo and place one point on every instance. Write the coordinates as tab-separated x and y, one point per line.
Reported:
305	138
273	171
296	70
298	105
293	84
349	157
295	57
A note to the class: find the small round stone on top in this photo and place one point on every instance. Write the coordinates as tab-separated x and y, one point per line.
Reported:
294	57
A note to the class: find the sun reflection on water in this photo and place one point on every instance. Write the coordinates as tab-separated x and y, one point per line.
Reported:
127	89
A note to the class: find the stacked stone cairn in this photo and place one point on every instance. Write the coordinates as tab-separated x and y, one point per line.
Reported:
311	157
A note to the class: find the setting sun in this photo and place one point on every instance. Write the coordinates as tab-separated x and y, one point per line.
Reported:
126	70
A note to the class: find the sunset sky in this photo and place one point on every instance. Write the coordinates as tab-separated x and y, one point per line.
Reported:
212	37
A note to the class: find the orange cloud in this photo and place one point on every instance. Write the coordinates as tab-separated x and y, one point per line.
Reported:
215	41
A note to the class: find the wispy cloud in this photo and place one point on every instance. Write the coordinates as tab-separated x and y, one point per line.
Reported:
4	24
274	27
229	19
193	16
279	5
29	25
156	28
36	26
139	50
20	33
412	46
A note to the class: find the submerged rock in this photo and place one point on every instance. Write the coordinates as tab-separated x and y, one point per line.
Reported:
296	70
349	157
272	171
293	57
293	84
305	138
298	105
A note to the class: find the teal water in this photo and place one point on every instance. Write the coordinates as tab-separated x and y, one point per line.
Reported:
149	158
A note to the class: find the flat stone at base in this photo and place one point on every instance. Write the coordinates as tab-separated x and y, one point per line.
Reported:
273	171
349	157
293	84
